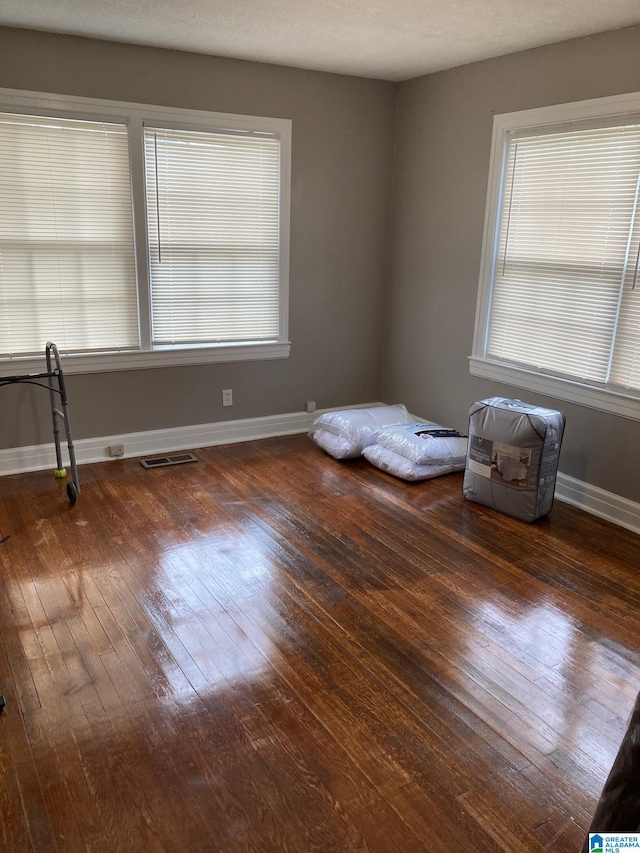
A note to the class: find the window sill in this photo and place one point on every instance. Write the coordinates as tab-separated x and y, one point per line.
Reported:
607	400
138	360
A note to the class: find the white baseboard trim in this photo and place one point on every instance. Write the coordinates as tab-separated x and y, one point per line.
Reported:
598	502
39	457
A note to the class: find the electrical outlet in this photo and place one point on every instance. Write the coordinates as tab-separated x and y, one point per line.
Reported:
115	450
310	406
227	397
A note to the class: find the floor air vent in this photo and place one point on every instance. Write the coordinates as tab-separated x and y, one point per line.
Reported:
162	461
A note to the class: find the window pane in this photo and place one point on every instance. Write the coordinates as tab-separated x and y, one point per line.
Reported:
213	223
567	209
67	268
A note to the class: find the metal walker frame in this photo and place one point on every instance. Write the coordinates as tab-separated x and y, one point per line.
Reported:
54	376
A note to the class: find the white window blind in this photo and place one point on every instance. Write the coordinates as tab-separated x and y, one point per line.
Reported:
563	298
67	268
214	237
625	365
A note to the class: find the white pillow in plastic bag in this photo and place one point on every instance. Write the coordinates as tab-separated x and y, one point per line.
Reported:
393	463
336	445
424	443
359	425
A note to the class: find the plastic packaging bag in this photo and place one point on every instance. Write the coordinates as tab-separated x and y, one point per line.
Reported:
424	443
356	427
336	445
513	454
393	463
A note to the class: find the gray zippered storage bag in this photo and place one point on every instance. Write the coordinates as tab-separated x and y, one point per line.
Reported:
512	456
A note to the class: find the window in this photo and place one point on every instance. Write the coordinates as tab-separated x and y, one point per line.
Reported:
67	265
559	299
136	236
212	220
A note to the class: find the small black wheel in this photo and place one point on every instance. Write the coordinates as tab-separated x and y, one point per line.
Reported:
72	493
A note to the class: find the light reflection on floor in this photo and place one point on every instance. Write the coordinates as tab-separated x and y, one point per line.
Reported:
202	586
576	666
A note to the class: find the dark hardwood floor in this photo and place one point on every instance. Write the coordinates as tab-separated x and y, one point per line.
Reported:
272	651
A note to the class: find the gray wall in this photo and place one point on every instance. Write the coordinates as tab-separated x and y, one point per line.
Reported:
443	133
358	334
341	177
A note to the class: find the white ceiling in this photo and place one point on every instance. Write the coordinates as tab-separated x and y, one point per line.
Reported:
390	39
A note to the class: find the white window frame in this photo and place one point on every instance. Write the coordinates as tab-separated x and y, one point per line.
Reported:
135	116
626	404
